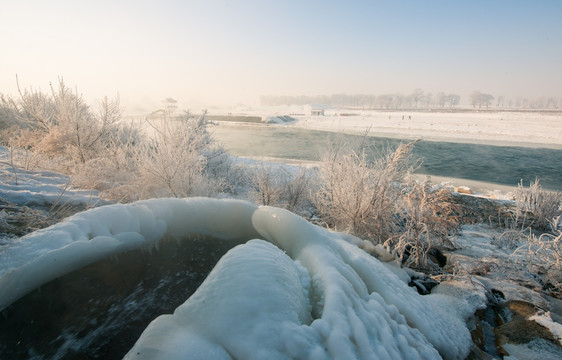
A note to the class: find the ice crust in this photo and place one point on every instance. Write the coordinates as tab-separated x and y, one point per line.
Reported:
293	291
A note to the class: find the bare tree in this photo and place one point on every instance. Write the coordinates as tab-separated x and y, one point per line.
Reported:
500	101
440	99
417	96
480	99
453	100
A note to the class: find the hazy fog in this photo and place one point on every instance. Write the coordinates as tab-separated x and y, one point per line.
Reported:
211	52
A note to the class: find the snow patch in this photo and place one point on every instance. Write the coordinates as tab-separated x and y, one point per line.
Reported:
545	320
280	119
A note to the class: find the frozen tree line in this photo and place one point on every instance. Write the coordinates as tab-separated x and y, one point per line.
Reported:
418	99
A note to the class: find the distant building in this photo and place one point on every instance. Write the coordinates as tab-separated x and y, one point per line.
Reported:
317	109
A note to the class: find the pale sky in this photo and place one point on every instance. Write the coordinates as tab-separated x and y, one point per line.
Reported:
213	52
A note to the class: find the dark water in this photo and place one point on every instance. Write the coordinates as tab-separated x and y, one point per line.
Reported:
99	311
506	165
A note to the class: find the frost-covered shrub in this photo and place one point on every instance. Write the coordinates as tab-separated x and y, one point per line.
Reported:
61	123
358	195
180	160
543	253
8	113
428	215
279	186
266	183
379	200
296	188
114	173
20	155
171	157
539	205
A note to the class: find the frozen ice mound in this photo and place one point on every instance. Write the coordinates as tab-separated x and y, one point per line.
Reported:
292	291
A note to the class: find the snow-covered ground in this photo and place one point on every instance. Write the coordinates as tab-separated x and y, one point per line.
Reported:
501	128
41	188
532	129
30	199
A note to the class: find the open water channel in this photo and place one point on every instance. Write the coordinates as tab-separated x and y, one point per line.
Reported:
504	165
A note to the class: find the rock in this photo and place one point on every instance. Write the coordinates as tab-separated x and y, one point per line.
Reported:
478	354
518	329
423	286
482	209
437	257
463	190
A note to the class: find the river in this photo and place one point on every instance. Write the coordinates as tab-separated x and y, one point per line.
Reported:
503	165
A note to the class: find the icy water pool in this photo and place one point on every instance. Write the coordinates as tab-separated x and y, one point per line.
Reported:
100	310
505	165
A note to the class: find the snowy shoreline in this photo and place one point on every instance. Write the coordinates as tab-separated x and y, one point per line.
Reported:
500	128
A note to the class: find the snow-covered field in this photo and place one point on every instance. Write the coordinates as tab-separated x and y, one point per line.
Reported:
488	128
495	128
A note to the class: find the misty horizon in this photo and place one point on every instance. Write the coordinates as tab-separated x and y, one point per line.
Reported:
215	53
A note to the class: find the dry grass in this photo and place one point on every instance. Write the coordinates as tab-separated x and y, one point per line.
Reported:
542	254
428	217
538	205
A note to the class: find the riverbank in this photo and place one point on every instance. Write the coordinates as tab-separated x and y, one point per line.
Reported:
499	128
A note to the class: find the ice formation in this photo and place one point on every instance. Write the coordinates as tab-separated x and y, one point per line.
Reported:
293	291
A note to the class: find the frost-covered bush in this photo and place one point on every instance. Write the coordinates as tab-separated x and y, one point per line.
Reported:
379	200
543	253
114	174
8	112
61	124
180	160
428	215
296	189
176	157
539	205
266	183
160	157
279	186
358	195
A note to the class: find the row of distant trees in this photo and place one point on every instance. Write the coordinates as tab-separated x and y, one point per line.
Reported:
418	99
482	100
